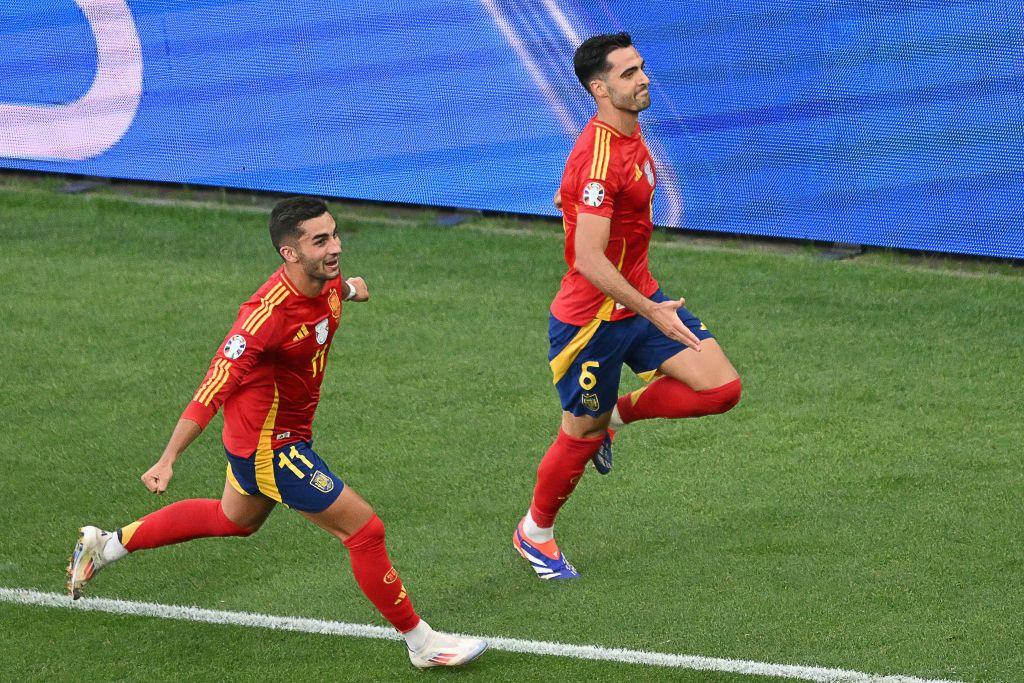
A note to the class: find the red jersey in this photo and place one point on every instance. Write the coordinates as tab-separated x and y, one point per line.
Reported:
612	175
268	371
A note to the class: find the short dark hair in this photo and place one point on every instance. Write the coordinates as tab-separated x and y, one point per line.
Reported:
289	213
591	58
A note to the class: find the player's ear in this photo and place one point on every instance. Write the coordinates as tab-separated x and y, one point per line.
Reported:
289	253
598	88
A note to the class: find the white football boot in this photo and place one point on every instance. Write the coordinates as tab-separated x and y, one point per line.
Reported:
445	650
87	559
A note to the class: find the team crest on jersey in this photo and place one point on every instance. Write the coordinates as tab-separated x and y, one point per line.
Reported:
591	401
335	303
321	482
649	172
322	328
593	194
235	346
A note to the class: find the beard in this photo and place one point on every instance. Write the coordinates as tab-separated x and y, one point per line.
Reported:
317	270
632	102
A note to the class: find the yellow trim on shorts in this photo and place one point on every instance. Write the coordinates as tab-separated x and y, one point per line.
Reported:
265	455
234	482
560	363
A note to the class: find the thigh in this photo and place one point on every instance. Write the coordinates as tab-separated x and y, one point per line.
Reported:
706	369
244	509
586	364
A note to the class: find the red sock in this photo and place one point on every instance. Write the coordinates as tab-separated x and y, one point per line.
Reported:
667	397
181	521
559	471
377	578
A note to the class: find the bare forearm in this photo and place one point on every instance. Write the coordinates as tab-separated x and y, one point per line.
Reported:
600	272
185	432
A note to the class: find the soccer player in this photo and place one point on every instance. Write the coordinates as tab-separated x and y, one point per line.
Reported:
610	310
267	376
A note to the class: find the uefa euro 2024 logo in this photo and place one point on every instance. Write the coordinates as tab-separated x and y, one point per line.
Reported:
95	122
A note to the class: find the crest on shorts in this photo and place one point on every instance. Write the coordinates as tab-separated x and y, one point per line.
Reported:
391	576
593	194
335	303
235	346
321	482
322	328
591	401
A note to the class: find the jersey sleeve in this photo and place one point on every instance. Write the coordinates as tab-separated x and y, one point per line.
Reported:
597	182
253	333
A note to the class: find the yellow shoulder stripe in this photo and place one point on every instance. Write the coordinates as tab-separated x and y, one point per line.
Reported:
206	381
602	152
608	129
214	382
275	296
597	153
287	283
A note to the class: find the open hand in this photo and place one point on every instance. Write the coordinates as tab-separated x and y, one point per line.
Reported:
666	319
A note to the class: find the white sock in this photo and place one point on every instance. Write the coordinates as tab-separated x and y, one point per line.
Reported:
417	637
535	532
616	421
112	549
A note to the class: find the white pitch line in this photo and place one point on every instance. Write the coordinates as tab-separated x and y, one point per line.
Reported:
532	647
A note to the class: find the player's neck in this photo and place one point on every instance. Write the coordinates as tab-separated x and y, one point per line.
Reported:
306	285
622	121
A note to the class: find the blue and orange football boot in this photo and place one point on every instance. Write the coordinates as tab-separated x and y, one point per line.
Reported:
544	558
603	458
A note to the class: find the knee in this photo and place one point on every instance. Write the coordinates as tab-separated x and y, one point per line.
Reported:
229	527
724	398
370	535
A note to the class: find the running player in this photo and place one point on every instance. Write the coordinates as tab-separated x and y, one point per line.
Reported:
267	376
610	310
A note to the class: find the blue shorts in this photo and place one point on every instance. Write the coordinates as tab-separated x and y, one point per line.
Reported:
587	361
293	474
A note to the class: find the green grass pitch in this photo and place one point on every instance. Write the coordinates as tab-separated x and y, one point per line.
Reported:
860	509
